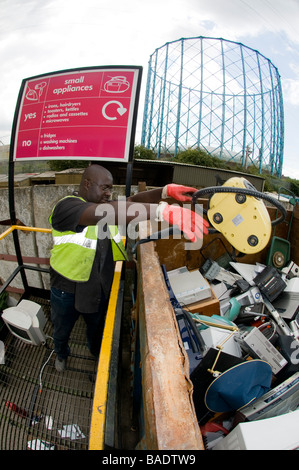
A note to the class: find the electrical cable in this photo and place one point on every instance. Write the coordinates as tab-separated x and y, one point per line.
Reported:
247	192
42	369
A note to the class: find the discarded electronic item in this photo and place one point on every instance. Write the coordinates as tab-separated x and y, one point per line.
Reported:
213	271
269	330
295	327
227	276
245	221
188	286
26	321
257	345
281	399
291	270
242	286
223	259
210	269
220	384
247	271
280	248
238	386
214	334
264	434
240	214
237	383
282	325
250	313
221	291
289	348
192	341
287	304
270	283
202	378
231	307
209	306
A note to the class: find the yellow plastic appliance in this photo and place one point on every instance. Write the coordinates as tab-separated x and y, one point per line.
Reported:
236	210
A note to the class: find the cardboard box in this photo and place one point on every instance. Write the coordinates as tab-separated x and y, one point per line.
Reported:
209	307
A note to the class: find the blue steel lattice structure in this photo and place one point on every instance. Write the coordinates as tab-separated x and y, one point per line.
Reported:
218	95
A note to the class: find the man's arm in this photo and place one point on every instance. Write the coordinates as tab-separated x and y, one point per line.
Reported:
151	196
174	191
147	205
123	212
117	212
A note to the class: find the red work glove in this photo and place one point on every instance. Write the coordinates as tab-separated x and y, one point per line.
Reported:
191	223
178	192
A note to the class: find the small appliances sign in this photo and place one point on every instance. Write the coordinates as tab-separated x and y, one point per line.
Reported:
77	114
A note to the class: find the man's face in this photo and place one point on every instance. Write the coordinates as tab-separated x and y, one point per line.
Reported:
100	188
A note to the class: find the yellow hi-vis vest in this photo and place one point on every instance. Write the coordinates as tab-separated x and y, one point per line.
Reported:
73	253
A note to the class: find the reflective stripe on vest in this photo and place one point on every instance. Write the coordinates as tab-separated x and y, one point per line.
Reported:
78	238
73	253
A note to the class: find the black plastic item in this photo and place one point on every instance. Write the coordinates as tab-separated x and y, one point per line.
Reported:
224	259
270	283
249	313
202	379
242	285
288	348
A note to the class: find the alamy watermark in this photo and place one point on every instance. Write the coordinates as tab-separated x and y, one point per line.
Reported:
186	220
295	353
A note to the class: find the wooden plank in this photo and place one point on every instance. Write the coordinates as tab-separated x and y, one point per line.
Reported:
169	416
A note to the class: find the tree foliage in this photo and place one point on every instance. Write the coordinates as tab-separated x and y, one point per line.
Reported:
198	157
142	152
194	157
60	165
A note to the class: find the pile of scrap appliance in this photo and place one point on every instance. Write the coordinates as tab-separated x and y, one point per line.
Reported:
239	325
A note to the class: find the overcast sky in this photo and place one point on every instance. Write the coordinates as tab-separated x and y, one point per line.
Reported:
41	36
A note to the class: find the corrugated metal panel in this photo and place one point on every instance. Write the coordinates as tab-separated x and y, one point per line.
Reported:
205	177
199	176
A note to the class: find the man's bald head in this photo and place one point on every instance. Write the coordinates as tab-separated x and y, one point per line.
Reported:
96	184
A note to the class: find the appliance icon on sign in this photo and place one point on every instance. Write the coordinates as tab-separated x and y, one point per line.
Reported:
117	84
36	93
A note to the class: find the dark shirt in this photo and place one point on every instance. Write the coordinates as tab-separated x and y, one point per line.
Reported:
88	294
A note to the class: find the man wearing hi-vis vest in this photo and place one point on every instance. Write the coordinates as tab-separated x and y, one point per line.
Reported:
86	243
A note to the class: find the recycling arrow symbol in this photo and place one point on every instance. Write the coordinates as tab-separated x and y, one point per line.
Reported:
120	110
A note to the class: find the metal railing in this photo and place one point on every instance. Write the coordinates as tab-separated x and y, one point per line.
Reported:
21	267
